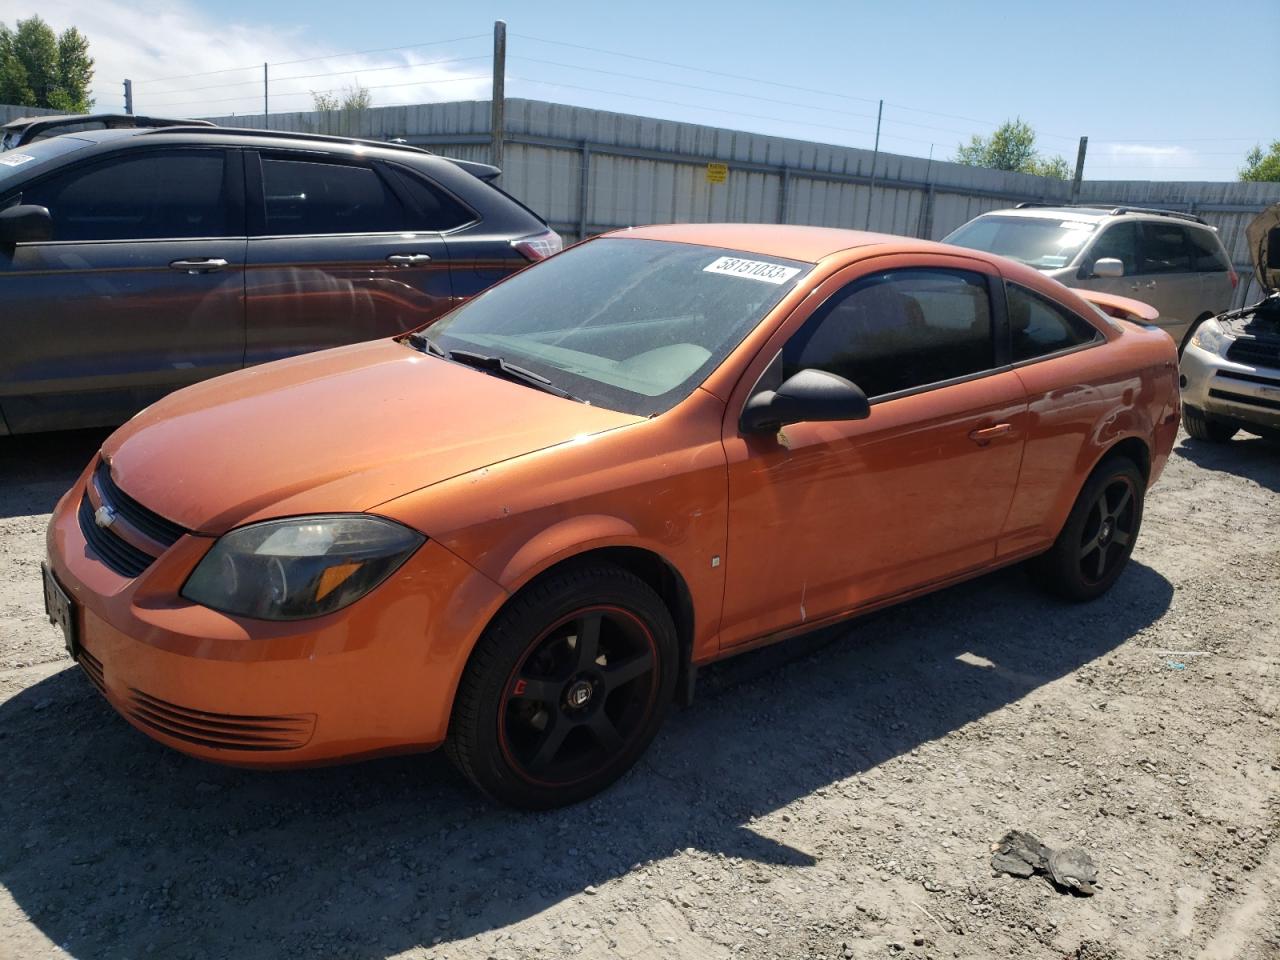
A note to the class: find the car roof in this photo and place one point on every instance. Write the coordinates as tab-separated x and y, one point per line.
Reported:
793	242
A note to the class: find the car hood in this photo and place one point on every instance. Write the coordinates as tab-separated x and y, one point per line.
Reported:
1264	247
336	431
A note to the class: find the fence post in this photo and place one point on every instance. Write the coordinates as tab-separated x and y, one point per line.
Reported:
584	190
784	184
498	107
128	96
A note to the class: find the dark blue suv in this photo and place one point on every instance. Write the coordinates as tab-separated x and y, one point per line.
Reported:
134	262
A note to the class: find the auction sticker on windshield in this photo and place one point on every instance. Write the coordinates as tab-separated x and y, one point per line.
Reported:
774	273
16	159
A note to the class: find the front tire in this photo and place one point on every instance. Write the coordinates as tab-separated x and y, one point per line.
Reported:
1201	426
1095	543
566	688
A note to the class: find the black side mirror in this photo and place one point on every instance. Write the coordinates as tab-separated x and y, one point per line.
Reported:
810	395
1273	248
25	223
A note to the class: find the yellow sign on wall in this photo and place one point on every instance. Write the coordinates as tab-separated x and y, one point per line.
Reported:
717	172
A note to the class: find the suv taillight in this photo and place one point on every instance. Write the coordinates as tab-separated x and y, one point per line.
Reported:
1235	278
539	246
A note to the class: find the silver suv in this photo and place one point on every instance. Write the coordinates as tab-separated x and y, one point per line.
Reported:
1231	367
1173	261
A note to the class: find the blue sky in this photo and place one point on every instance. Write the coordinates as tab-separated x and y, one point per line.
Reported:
1161	89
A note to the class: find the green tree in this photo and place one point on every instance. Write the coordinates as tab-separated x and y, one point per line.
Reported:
1262	166
39	68
1011	147
352	97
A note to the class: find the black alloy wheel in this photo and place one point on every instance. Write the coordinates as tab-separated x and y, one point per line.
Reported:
579	695
1094	545
566	688
1108	530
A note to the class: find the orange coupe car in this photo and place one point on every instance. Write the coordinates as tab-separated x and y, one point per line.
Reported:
519	531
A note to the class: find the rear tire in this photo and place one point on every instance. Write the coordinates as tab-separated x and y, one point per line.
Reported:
1203	427
566	689
1095	543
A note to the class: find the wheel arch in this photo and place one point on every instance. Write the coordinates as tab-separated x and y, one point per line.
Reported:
651	567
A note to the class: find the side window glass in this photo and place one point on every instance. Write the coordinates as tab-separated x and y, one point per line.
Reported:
1164	249
142	197
436	209
1207	255
1120	242
898	330
307	198
1039	327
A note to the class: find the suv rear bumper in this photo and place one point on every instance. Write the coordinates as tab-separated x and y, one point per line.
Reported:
1226	390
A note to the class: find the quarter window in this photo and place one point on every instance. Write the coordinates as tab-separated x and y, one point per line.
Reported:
899	330
1039	327
436	209
144	197
1207	253
305	198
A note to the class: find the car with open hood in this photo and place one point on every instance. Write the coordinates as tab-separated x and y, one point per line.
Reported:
520	530
1231	367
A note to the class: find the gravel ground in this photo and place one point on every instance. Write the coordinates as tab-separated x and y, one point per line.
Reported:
835	797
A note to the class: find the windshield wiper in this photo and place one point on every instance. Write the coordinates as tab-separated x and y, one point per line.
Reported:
421	341
511	371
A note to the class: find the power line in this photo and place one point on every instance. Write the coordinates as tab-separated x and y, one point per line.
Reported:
305	93
328	56
335	73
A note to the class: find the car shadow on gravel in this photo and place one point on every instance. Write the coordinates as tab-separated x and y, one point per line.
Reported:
36	470
1246	456
115	846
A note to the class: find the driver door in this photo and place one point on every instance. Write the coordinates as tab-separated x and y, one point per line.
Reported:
828	517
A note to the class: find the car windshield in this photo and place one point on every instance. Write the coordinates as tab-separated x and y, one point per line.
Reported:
17	163
628	324
1039	242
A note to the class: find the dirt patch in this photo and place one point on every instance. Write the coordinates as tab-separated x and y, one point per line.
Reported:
836	797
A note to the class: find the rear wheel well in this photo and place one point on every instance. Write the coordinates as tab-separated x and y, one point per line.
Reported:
1132	448
665	581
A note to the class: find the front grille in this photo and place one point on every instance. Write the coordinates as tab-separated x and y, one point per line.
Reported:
1255	352
92	668
117	553
145	521
224	731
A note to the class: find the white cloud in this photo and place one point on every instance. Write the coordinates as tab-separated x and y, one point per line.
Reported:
146	39
1149	154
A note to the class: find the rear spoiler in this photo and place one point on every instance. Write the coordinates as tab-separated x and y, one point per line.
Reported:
1122	308
481	171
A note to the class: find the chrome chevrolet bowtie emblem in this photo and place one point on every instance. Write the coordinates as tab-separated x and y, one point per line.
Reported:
104	516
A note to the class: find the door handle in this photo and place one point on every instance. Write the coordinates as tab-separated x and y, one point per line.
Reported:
198	265
408	259
986	434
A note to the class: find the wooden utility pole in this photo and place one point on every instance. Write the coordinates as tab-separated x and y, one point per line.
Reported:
265	110
498	107
128	96
1075	182
874	157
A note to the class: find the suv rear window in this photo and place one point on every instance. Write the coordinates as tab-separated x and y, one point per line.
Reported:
1207	255
305	198
1164	249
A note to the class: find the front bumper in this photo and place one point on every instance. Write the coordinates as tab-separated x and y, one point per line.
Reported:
376	677
1242	393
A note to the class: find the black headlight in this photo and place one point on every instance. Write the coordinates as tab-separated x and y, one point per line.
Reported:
301	567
